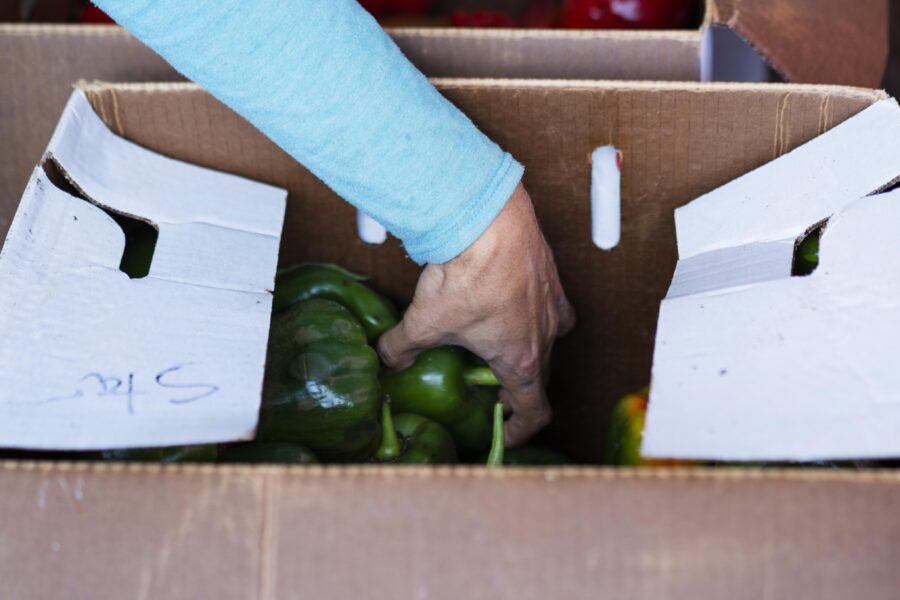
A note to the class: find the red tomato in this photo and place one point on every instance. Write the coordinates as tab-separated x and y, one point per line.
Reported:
482	18
626	14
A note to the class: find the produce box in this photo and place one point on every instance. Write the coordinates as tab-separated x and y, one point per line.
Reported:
103	529
805	41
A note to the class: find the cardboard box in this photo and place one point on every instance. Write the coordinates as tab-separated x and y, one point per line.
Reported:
805	41
578	532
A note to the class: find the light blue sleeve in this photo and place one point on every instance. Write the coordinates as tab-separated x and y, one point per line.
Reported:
324	82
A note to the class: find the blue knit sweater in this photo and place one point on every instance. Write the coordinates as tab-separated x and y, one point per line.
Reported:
324	82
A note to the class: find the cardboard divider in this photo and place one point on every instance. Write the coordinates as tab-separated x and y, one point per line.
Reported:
678	142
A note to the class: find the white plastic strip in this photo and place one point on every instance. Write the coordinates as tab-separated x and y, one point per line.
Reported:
606	194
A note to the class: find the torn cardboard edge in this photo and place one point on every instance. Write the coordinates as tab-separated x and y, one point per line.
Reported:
751	363
93	359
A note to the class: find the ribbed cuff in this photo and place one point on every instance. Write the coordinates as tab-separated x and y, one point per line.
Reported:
460	232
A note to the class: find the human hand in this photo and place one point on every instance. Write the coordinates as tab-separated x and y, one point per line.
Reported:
502	299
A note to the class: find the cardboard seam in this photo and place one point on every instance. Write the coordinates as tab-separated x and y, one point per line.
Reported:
863	476
117	118
266	537
780	127
209	286
824	114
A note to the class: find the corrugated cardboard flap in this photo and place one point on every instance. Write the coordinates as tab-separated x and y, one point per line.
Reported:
751	363
95	357
813	41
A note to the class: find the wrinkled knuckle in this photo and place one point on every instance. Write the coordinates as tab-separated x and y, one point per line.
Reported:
386	350
528	365
416	331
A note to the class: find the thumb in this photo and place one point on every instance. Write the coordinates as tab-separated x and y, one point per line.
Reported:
399	346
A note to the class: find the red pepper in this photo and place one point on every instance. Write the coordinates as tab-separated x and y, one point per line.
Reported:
92	14
384	8
625	14
541	14
482	18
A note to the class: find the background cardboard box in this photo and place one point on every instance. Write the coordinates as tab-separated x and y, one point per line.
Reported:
379	532
807	41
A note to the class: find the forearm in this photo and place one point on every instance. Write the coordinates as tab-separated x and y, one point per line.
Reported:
324	82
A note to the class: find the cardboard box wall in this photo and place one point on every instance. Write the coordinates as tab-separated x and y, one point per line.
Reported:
232	532
807	41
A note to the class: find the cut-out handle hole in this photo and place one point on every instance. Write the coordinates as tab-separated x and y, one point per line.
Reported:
140	243
806	251
140	236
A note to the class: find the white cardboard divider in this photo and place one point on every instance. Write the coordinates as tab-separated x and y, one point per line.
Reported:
91	359
754	364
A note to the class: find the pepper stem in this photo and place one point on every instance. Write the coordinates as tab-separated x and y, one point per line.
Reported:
390	445
495	458
480	376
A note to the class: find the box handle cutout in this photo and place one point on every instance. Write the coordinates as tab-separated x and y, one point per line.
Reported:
606	197
369	230
140	236
806	251
140	243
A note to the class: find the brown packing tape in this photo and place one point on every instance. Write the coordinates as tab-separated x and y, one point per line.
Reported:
813	41
678	142
142	532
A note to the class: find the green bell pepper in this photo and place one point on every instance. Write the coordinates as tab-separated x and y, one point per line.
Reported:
436	386
806	255
321	388
200	453
320	280
413	439
267	452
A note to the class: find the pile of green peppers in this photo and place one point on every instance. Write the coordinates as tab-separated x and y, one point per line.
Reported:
327	398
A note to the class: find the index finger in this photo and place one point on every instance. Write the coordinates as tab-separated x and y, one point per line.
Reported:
531	412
